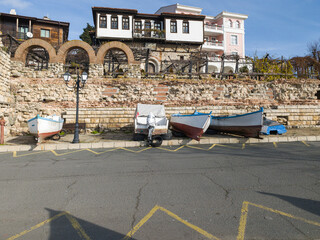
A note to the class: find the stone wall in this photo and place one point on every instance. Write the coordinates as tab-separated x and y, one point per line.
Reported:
6	99
109	103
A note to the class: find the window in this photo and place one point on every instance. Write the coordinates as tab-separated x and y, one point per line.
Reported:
173	27
125	23
103	22
234	53
114	22
45	33
137	26
22	34
157	25
230	23
147	28
185	27
237	24
234	40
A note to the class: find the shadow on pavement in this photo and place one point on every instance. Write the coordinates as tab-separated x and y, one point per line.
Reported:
311	206
70	227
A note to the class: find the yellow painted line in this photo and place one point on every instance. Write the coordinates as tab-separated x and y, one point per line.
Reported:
199	230
27	154
61	154
37	226
275	144
152	212
243	146
286	214
170	149
98	153
305	143
129	150
213	145
243	221
140	224
75	224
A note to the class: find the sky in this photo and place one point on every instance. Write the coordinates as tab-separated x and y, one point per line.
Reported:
278	27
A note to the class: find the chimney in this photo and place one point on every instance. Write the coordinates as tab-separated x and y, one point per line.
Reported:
46	18
13	12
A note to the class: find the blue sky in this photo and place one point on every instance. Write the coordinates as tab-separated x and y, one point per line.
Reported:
279	27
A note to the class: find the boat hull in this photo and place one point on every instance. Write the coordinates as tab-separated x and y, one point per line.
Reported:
248	125
42	128
193	126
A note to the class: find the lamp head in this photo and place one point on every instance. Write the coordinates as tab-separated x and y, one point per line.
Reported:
66	77
84	77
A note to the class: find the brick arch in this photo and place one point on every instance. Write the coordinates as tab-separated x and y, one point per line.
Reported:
66	47
118	45
22	50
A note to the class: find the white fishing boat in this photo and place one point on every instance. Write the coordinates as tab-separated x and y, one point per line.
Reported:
44	127
150	122
248	125
192	125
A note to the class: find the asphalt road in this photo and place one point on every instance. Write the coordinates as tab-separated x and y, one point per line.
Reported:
258	191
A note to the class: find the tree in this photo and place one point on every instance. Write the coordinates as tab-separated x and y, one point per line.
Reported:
85	36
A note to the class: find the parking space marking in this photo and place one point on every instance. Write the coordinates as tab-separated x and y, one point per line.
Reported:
213	145
62	154
275	145
305	143
98	153
169	150
14	154
75	224
129	150
243	146
37	226
171	214
227	146
244	216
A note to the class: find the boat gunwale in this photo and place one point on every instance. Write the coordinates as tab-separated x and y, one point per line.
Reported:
234	116
47	119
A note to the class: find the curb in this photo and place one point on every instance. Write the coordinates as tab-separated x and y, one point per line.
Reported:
175	142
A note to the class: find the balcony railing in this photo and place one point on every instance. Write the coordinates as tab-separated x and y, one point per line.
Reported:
213	44
213	27
149	33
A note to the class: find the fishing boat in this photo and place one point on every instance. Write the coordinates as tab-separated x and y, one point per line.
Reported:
44	127
248	125
193	125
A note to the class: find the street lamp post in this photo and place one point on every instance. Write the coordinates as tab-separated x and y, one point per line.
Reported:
77	87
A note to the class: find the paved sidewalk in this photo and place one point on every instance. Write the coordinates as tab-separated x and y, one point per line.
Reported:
123	139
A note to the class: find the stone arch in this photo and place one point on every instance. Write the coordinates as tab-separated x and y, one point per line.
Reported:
228	69
118	45
66	47
22	50
155	63
212	69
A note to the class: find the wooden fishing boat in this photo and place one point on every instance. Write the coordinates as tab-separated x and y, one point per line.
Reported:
248	125
44	127
193	125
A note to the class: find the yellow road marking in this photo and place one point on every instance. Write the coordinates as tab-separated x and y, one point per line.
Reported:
98	153
61	154
213	145
27	154
243	146
244	215
129	150
37	226
142	221
151	213
275	144
170	149
199	230
305	143
243	221
75	224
